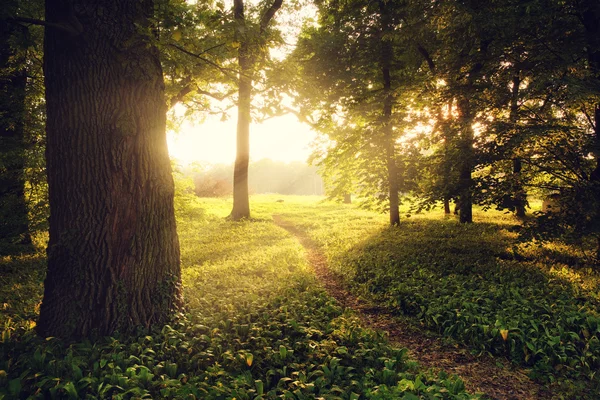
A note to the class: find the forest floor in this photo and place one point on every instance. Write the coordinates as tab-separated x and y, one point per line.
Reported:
496	378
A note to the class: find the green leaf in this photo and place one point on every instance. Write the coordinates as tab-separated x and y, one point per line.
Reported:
71	391
259	387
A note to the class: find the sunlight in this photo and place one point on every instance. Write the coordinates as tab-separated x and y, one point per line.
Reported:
214	141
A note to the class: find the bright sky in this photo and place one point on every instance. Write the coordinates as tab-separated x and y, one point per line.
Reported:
280	139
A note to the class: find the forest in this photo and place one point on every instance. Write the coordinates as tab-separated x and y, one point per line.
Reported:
442	243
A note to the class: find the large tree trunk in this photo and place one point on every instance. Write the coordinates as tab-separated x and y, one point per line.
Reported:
113	255
466	162
519	196
241	202
386	56
14	226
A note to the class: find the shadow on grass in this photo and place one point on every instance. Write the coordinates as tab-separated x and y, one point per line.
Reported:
466	281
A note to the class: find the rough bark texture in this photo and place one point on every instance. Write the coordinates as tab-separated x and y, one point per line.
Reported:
465	182
386	56
113	255
14	226
519	197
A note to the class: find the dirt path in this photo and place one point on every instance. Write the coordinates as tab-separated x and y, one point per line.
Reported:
495	377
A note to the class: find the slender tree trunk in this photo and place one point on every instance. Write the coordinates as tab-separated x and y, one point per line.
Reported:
347	198
518	194
386	56
466	162
446	161
113	255
14	225
249	56
241	201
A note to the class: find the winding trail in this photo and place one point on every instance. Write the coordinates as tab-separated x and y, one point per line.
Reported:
496	378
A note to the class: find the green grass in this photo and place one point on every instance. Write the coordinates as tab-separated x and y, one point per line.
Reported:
257	325
538	306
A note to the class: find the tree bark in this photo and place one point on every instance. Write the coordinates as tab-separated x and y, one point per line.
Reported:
241	200
466	162
518	192
447	169
113	255
447	206
249	55
386	56
14	222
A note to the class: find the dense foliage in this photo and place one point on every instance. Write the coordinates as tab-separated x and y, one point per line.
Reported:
487	103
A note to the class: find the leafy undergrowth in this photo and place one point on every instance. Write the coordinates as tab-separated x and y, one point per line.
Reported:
257	326
537	306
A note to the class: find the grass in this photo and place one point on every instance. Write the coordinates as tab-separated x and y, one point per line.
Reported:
257	325
538	306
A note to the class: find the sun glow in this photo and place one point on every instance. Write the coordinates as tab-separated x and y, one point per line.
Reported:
214	141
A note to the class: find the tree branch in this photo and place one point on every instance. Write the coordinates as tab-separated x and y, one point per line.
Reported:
427	57
72	29
181	94
225	71
269	14
238	10
216	96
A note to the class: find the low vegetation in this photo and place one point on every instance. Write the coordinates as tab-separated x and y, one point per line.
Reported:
538	306
257	325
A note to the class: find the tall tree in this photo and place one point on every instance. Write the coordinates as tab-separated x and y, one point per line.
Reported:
360	102
250	54
386	56
113	255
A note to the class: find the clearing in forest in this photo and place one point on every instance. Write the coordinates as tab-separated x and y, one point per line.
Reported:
258	323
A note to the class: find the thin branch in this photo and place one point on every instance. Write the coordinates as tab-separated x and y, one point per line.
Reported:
300	116
225	71
427	57
588	117
216	96
181	94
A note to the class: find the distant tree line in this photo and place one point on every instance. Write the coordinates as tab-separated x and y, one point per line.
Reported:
264	176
